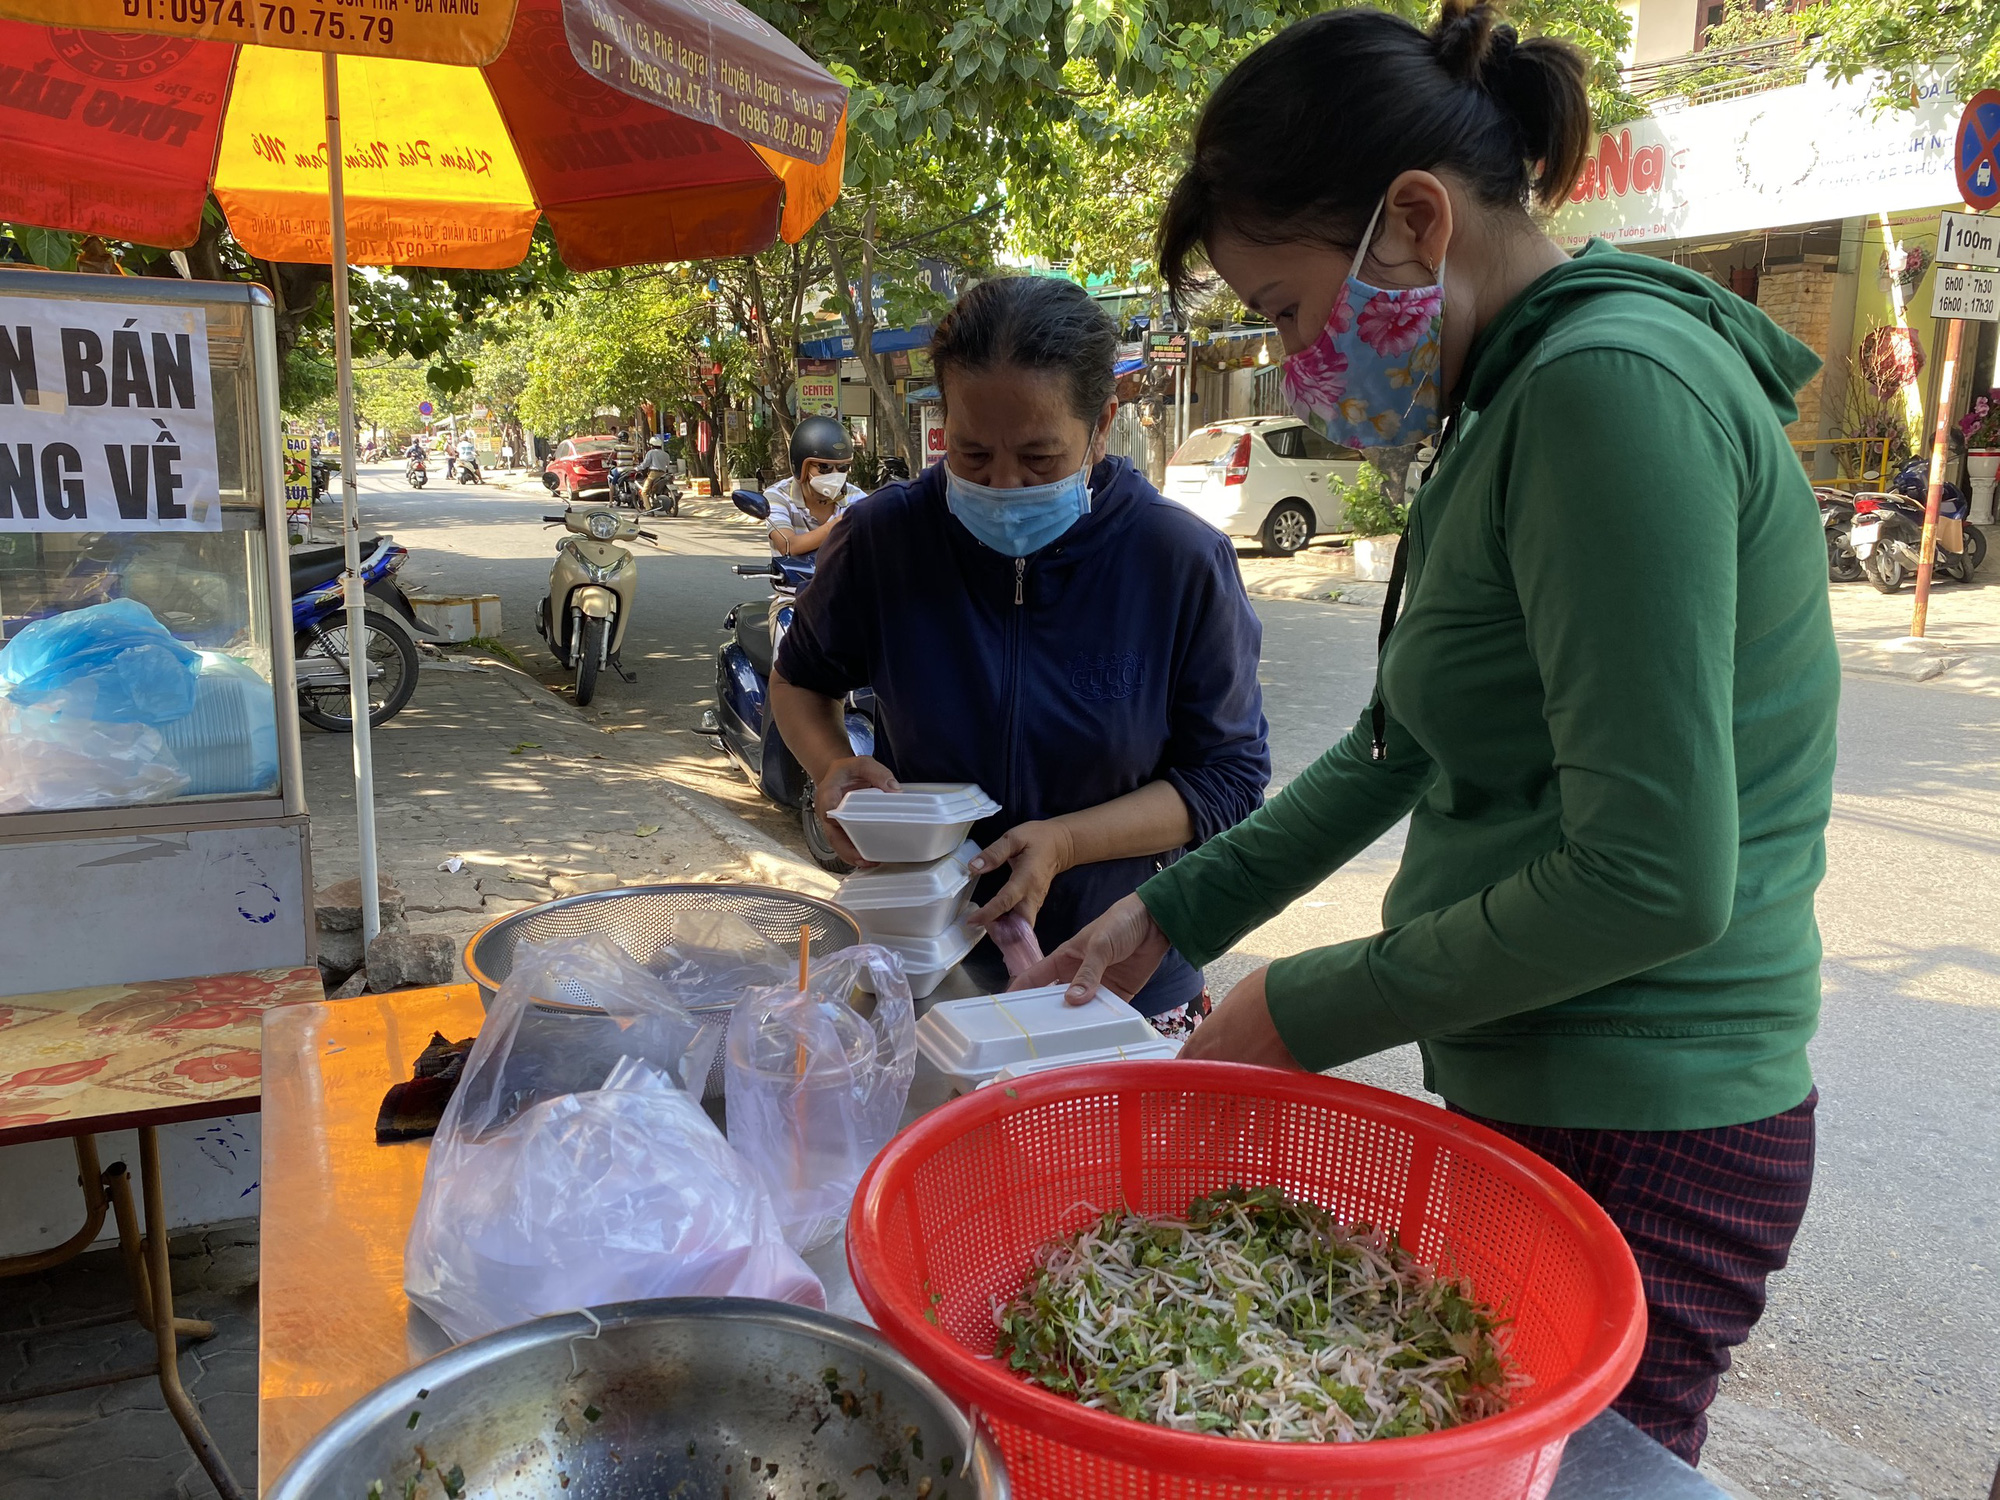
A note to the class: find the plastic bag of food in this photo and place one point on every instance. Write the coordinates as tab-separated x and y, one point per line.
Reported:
138	672
816	1087
571	1169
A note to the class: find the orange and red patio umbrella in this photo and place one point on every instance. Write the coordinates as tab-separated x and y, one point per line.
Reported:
125	133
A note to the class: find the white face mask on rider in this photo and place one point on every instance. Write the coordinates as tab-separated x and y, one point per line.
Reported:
832	485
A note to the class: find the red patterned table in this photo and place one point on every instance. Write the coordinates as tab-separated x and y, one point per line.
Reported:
76	1063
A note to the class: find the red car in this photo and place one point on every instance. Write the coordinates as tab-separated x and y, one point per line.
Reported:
580	464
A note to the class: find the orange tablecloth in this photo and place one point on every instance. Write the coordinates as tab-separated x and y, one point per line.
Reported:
111	1056
334	1322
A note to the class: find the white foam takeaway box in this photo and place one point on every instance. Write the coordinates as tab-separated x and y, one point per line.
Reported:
971	1040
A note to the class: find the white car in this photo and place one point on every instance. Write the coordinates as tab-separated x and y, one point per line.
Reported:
1262	477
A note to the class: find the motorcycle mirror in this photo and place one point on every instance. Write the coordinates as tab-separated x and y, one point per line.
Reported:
751	503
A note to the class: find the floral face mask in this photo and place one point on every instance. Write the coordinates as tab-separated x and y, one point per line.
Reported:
1371	378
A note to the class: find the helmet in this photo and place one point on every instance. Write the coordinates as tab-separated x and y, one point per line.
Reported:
656	441
820	437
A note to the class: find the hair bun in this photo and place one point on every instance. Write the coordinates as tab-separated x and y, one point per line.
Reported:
1471	42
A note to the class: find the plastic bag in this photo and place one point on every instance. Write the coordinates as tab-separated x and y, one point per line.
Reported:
139	673
56	755
570	1168
815	1089
715	958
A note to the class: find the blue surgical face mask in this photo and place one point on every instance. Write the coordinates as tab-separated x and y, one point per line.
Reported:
1015	523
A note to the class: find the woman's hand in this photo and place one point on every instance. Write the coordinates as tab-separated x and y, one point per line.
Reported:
840	778
1240	1030
1035	853
1119	951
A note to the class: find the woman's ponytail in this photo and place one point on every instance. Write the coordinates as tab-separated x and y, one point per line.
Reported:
1302	139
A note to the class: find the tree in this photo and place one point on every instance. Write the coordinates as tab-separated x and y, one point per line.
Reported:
1907	43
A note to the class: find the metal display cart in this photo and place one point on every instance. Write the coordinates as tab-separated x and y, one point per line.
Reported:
113	867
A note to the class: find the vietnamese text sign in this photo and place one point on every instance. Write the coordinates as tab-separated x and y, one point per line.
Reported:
298	473
1969	240
714	62
1814	151
107	421
445	31
1966	294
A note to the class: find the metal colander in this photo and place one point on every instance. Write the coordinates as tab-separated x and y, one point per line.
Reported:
641	919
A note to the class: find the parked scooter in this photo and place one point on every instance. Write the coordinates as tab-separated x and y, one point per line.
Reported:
591	588
1836	516
319	644
1887	531
741	719
416	473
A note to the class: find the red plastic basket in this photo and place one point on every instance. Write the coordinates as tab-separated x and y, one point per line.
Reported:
950	1215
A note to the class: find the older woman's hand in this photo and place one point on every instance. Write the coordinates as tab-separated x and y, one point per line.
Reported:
1034	853
840	778
1240	1030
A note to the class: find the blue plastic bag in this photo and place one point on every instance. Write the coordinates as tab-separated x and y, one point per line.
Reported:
137	671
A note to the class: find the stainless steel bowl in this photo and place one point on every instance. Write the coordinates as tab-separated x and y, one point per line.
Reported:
641	919
695	1398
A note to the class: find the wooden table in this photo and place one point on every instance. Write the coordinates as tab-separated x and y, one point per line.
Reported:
335	1323
77	1063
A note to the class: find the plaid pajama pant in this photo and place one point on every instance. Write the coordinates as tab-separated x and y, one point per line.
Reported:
1709	1215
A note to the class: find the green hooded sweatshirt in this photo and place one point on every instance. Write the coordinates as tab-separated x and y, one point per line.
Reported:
1611	699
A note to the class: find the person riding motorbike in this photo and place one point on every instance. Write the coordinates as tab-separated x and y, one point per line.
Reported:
658	488
806	507
468	460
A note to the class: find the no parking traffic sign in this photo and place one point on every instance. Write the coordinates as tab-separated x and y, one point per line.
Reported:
1977	154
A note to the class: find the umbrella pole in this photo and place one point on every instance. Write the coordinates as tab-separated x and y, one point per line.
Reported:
350	515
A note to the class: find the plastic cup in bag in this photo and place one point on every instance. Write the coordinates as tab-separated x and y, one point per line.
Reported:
816	1088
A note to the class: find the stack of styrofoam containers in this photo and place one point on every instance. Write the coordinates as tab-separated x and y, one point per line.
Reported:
917	912
913	901
993	1037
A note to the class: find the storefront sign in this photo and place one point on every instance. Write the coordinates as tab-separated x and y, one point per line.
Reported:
933	433
819	388
107	421
1815	151
1969	240
298	473
1966	294
1169	348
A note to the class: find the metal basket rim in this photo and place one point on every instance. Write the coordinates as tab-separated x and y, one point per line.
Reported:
489	987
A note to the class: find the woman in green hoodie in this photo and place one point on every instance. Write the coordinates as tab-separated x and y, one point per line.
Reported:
1607	706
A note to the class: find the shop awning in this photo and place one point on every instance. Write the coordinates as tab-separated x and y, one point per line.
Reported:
885	341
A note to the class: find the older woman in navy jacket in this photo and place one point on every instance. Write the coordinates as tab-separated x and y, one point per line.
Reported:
1036	618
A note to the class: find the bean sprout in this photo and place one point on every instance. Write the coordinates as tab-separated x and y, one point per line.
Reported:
1257	1316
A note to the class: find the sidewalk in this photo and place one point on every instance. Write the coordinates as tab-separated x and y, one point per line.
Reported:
488	766
1961	645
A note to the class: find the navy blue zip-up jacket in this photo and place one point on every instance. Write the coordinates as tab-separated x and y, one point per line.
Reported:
1122	653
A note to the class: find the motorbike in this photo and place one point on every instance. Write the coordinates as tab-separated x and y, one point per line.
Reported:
1888	526
1836	515
741	720
589	599
464	470
319	642
416	473
626	488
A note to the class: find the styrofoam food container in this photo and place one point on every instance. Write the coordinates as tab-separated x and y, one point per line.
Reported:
1160	1049
971	1040
926	960
926	820
910	900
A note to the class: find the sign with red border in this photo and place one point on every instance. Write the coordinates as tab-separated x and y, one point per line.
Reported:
1976	154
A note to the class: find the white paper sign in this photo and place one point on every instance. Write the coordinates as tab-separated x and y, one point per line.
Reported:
107	421
1969	239
1966	294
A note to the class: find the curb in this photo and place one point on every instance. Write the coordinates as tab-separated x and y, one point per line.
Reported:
1321	588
